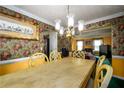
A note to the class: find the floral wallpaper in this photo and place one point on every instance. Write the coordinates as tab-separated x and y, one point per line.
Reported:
105	23
64	42
17	48
14	48
118	39
117	27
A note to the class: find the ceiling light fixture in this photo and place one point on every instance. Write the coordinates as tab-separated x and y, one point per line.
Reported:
70	29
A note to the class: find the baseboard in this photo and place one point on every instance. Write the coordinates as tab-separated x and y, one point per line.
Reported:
119	77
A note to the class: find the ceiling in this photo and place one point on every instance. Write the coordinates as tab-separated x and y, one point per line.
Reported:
81	12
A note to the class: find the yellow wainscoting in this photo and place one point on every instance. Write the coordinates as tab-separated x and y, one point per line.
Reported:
18	66
118	66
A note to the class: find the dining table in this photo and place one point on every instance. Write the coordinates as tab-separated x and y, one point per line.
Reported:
68	72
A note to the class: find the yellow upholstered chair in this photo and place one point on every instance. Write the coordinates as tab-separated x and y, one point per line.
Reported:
78	54
38	58
55	56
103	82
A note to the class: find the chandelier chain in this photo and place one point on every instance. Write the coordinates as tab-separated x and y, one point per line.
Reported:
68	9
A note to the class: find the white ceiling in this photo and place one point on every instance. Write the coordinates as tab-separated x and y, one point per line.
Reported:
81	12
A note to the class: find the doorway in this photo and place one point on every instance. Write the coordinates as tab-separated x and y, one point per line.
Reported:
46	45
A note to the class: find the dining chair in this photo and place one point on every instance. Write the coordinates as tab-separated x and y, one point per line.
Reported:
55	56
100	60
101	81
99	63
78	54
34	59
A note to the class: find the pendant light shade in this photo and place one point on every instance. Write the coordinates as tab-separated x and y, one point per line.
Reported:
70	20
57	24
70	29
73	32
61	32
80	25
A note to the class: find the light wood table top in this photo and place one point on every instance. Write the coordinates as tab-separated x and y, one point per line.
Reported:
69	72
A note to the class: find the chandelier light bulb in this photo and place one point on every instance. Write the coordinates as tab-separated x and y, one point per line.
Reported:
57	25
80	25
70	29
73	32
70	20
61	32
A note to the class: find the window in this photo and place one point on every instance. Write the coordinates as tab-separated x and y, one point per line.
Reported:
79	45
97	43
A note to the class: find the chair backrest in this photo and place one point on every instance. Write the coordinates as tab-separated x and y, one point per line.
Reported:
102	82
55	56
78	54
34	59
99	63
100	60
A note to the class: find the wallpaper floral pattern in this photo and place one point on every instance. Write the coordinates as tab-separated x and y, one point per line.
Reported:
118	39
117	27
17	48
64	42
105	23
13	48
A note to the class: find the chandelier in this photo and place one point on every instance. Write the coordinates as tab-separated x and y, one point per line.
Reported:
70	29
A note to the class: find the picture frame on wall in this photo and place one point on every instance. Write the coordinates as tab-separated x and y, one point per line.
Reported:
12	28
88	43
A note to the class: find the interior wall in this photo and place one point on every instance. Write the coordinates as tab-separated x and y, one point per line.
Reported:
18	66
118	49
53	41
73	44
116	41
118	66
117	27
17	48
64	42
106	41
